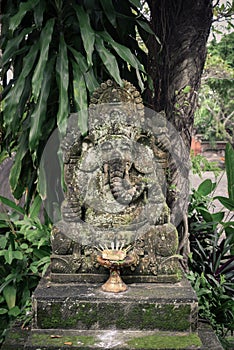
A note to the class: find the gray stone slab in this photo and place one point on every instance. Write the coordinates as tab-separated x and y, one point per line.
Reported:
19	339
142	306
167	292
208	337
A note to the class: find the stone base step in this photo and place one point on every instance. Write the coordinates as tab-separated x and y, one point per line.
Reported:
144	306
58	339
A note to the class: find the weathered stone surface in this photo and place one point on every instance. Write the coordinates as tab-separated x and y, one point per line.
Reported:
116	179
143	306
208	337
18	339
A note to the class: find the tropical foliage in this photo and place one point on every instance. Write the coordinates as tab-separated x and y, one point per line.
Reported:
214	119
60	51
212	251
24	258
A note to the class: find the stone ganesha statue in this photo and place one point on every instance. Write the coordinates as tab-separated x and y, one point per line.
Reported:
116	185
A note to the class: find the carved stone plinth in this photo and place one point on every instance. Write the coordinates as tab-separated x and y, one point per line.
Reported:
143	306
154	253
81	316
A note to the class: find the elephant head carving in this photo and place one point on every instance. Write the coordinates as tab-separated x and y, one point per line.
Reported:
114	169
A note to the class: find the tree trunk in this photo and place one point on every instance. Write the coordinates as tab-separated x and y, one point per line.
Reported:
175	65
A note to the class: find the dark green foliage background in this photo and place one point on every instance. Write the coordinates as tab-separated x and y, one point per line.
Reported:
60	51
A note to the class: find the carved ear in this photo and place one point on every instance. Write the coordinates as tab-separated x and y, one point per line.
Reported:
71	146
143	159
89	160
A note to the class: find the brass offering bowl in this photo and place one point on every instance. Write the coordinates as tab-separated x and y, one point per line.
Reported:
114	260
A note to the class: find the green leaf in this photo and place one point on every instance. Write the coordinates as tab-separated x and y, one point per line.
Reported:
24	7
38	116
86	31
3	155
3	311
17	165
9	293
42	184
10	278
109	10
81	61
147	29
230	233
206	187
45	40
13	45
17	255
15	311
109	60
123	51
2	252
13	99
62	75
35	207
126	54
206	215
38	13
4	217
24	246
226	202
12	205
88	73
8	255
3	242
80	97
140	82
218	217
228	224
186	89
91	81
229	164
136	3
33	268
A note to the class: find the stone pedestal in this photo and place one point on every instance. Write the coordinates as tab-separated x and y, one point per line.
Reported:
171	307
146	316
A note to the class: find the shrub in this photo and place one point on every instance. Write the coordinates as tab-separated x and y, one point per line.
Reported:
24	258
211	261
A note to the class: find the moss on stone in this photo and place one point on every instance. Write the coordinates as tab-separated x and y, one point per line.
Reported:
50	316
15	335
45	339
137	316
163	341
173	317
58	315
151	316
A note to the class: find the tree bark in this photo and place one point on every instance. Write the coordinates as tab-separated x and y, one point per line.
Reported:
175	66
182	27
